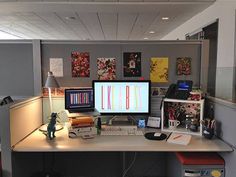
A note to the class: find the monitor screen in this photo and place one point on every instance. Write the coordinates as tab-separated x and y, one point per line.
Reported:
184	85
122	97
81	98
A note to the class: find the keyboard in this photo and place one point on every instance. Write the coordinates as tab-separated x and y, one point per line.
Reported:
120	130
121	133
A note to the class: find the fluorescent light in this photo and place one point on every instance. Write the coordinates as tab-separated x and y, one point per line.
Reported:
145	38
165	18
152	32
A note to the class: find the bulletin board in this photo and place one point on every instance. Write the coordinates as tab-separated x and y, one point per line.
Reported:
116	49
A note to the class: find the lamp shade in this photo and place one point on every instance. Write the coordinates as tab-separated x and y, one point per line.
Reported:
51	81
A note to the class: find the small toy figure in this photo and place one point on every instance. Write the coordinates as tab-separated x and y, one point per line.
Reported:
52	126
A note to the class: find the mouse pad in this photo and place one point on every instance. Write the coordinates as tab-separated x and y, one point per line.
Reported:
151	136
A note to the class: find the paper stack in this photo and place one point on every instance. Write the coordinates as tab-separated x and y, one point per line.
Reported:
82	126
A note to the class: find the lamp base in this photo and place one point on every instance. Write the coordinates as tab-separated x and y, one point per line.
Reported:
43	128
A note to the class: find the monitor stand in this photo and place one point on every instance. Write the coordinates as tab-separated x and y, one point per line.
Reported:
83	114
122	120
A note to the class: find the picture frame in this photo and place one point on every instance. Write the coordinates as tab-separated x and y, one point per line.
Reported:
154	122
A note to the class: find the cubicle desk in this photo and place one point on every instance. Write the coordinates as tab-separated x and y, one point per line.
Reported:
37	142
25	147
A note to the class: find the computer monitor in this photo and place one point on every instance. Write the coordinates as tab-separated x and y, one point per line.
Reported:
122	97
79	100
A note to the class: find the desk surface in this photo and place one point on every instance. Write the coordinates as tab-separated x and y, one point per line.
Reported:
37	142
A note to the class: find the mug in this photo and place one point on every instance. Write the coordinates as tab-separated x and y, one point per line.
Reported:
173	124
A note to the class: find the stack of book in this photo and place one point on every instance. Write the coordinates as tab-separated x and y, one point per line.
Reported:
83	127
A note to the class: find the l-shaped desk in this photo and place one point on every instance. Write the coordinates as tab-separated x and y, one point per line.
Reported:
38	142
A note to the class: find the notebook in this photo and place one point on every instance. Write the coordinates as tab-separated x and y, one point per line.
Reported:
178	138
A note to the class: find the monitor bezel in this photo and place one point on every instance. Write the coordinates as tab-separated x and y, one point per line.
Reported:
130	81
74	89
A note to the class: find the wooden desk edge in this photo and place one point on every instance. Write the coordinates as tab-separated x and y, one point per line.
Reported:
37	142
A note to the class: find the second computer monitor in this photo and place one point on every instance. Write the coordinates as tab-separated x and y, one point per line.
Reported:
79	100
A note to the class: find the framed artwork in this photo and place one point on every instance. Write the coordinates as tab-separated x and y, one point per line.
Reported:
80	64
106	68
183	65
159	69
132	64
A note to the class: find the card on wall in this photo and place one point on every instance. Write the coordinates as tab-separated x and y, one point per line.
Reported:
159	69
132	64
80	64
106	68
56	66
183	65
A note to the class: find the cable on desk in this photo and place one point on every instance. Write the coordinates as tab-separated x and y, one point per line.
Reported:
131	164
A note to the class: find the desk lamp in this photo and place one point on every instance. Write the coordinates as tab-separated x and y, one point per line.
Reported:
51	82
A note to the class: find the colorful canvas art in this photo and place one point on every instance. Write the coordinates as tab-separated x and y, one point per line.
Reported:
132	64
80	64
106	68
183	66
159	69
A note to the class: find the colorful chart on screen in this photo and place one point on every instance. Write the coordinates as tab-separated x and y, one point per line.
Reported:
121	97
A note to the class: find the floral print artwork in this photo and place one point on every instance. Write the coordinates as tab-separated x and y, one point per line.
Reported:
106	68
80	64
183	66
132	64
159	69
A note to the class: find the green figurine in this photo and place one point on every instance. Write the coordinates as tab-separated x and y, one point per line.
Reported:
52	126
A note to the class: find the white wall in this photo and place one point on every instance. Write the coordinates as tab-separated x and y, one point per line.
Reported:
224	10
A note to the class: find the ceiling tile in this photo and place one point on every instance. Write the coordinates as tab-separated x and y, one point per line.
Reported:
96	19
141	25
125	25
92	24
109	25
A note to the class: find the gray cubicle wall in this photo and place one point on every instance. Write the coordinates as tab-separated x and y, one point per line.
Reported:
171	49
16	68
225	115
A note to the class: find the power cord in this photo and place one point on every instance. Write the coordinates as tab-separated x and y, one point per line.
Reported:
131	164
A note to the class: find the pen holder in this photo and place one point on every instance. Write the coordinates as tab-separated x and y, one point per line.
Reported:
208	133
